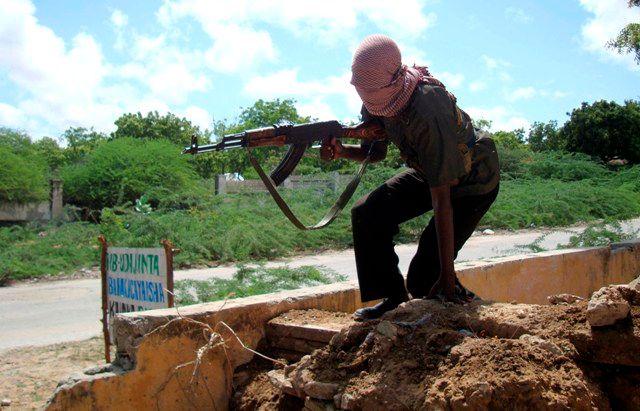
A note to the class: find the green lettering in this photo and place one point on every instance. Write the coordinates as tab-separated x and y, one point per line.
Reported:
156	265
145	266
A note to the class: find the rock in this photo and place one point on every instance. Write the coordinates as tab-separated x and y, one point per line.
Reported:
6	402
542	343
315	405
387	329
629	293
606	307
348	402
278	380
635	284
480	396
488	231
321	390
240	378
563	299
299	379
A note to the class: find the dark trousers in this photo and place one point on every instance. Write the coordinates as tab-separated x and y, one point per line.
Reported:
375	219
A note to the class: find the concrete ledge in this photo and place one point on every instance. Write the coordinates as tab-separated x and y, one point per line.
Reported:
531	278
159	356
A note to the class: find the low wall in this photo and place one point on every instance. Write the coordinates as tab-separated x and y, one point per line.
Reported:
43	211
25	212
332	182
161	353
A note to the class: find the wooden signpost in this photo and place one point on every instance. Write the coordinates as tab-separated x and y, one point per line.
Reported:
134	279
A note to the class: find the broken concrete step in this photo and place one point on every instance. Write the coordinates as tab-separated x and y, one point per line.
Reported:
303	331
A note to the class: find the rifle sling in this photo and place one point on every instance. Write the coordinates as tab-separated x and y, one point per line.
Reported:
333	211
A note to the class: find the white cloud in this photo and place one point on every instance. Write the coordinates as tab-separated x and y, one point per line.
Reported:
522	93
317	108
502	118
609	17
286	83
236	47
312	96
329	21
119	20
451	80
11	116
198	117
477	86
517	15
494	63
71	84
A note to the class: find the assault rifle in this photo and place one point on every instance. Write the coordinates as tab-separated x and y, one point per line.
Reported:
299	137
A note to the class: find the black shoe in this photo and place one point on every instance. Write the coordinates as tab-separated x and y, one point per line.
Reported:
371	313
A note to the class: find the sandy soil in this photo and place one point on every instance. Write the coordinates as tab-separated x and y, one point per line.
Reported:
428	355
29	376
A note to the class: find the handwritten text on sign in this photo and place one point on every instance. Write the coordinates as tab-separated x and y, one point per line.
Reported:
136	279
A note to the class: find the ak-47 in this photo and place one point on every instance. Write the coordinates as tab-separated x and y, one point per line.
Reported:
299	138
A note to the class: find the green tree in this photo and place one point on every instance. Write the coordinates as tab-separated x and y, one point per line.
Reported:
628	40
51	151
604	129
80	141
153	126
545	136
482	124
24	172
18	141
509	139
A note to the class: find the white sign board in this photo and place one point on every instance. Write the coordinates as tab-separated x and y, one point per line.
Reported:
136	279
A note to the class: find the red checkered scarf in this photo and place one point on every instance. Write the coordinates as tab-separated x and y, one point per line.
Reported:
385	84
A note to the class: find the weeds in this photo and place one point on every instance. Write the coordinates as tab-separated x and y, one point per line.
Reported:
252	281
600	234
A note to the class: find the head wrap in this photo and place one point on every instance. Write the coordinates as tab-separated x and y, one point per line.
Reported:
383	83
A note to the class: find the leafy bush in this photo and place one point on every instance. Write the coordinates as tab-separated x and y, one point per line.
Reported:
23	177
564	166
122	170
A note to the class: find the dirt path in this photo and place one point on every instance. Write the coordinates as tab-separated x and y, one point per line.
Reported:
28	376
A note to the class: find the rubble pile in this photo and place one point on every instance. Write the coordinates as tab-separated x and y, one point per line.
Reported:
572	354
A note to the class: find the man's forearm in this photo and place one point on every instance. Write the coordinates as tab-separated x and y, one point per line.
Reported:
359	153
443	212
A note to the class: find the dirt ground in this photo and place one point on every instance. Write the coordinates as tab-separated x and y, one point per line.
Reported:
29	376
429	355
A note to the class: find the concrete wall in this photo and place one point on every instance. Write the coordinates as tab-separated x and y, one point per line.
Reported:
44	211
162	361
332	182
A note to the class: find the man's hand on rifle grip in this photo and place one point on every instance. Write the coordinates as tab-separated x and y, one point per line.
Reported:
331	148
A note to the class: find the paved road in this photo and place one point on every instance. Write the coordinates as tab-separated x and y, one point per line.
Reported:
59	311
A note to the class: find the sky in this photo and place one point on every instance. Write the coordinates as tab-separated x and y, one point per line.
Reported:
84	63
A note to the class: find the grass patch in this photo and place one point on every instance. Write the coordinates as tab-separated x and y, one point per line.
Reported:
249	281
33	250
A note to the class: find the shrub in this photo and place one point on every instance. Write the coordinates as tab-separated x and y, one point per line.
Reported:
23	177
564	166
122	170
